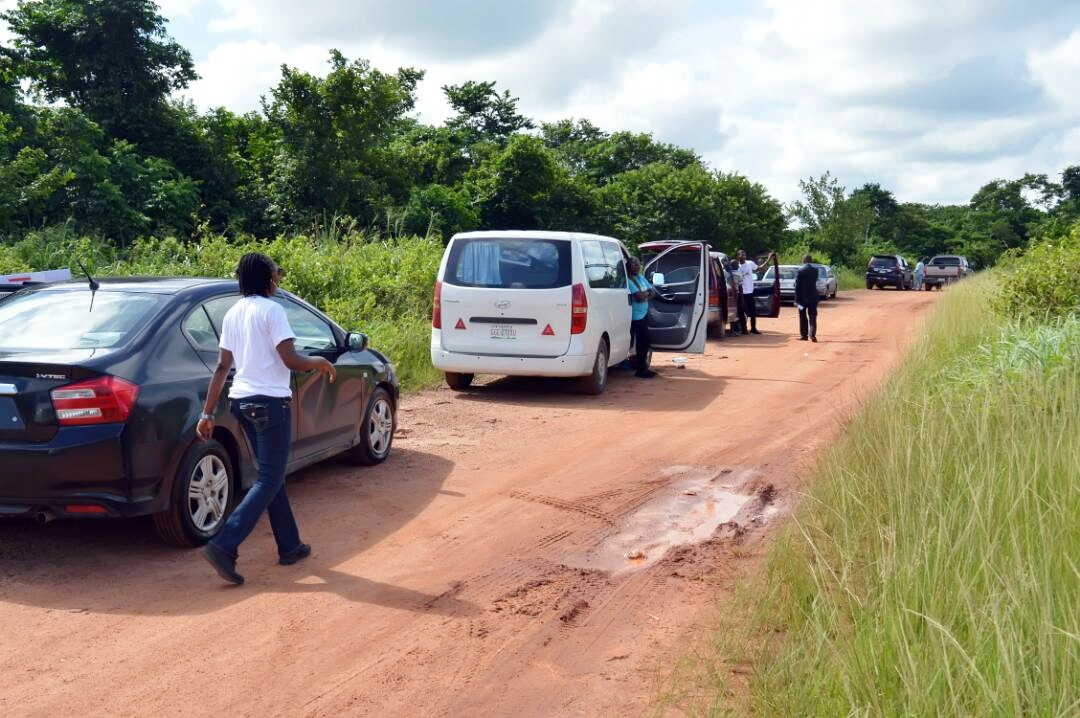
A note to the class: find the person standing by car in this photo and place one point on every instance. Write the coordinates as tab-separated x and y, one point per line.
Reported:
641	291
746	274
806	299
920	272
255	334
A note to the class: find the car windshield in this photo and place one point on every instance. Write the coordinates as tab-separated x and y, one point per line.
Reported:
508	263
57	320
887	262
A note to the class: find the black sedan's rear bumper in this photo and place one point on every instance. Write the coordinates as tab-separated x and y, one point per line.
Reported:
79	473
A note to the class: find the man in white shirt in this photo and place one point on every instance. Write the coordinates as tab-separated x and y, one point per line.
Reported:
746	274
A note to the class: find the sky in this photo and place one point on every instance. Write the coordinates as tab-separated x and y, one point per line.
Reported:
931	99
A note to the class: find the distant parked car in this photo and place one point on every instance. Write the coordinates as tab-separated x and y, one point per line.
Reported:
889	270
826	282
787	279
945	269
101	389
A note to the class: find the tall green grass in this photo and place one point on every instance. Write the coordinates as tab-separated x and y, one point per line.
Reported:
934	569
381	287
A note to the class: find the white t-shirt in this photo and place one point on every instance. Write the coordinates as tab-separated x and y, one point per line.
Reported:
746	274
251	330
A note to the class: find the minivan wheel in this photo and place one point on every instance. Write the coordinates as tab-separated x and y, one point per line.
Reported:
596	382
376	430
203	495
458	381
869	285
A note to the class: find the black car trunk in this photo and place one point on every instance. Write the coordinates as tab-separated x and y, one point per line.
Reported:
27	414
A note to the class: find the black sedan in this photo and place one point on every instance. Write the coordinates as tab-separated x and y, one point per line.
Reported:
101	389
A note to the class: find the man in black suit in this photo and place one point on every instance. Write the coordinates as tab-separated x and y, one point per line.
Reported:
806	298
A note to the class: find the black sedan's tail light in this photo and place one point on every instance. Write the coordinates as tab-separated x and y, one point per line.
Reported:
104	400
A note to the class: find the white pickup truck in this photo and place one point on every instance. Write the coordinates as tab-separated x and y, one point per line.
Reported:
945	269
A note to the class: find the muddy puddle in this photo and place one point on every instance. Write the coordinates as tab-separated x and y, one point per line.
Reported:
688	511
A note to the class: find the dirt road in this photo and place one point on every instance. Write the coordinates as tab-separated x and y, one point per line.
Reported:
525	551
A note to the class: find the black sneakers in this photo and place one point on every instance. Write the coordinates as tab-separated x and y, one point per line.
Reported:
224	564
645	374
300	552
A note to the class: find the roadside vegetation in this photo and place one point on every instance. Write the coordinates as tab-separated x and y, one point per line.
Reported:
380	287
934	566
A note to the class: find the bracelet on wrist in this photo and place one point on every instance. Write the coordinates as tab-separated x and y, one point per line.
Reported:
206	417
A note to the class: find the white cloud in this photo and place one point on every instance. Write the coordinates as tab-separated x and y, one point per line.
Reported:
1057	70
237	74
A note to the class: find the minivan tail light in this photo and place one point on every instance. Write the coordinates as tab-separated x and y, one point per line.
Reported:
105	400
579	310
436	307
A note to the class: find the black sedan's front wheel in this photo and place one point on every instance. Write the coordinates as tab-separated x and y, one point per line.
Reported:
203	494
376	430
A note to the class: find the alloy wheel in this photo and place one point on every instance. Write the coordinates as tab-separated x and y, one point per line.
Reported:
208	493
380	426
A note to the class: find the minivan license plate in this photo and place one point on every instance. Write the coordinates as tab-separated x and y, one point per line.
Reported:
503	331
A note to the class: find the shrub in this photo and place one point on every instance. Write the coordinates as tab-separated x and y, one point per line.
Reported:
1044	282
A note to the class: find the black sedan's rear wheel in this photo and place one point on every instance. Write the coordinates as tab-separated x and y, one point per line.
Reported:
376	430
203	494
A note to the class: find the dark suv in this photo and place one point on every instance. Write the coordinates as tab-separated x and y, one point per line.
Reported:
889	270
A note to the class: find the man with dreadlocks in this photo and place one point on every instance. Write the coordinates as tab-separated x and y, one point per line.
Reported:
255	334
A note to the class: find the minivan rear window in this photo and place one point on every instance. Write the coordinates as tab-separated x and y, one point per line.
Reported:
508	263
889	262
57	320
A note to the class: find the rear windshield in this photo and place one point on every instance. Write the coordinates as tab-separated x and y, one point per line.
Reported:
945	261
505	263
889	262
45	320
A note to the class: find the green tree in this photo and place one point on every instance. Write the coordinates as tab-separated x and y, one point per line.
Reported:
483	113
110	58
521	187
837	225
333	135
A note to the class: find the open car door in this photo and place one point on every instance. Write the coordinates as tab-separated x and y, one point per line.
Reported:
677	315
767	294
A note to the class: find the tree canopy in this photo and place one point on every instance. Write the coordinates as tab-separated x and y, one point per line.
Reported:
91	138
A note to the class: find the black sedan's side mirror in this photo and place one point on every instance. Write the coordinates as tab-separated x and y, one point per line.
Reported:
356	341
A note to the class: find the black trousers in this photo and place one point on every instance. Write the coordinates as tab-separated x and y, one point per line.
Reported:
639	330
749	309
808	321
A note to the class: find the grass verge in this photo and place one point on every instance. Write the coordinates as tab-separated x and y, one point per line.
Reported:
934	569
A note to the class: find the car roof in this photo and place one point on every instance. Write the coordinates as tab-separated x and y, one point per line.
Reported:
528	234
141	285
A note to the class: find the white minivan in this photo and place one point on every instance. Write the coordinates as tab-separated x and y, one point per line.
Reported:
537	303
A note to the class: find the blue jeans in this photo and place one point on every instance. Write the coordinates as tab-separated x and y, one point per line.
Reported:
267	421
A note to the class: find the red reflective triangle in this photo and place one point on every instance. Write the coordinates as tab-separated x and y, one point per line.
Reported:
460	324
548	331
